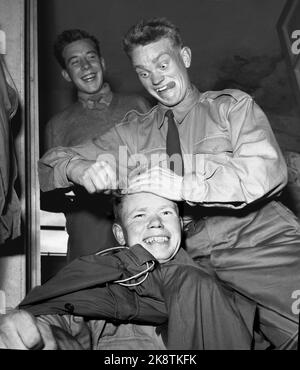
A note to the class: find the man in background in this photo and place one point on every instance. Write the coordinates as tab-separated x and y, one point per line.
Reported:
97	109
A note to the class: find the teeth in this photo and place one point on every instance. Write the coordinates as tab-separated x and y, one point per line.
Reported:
88	77
156	239
162	89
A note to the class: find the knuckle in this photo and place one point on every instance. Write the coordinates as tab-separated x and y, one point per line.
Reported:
51	344
33	340
23	315
95	166
7	322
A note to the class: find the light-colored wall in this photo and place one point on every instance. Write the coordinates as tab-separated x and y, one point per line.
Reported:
12	255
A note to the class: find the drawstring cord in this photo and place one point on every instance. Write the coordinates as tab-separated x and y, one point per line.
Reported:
123	282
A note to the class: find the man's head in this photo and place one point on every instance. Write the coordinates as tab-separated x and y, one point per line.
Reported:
161	61
148	220
79	55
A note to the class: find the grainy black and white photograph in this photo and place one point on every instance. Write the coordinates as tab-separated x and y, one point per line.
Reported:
150	177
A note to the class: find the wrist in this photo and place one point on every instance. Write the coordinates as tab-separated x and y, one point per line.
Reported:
71	170
193	188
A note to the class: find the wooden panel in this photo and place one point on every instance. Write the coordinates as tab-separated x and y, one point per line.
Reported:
33	275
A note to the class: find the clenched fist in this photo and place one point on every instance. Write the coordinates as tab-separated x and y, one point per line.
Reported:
20	330
93	176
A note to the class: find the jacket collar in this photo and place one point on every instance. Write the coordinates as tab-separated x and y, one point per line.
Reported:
94	101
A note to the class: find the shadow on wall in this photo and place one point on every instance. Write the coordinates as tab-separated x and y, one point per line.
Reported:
265	78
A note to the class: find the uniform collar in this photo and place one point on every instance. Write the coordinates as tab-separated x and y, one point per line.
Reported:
94	101
180	110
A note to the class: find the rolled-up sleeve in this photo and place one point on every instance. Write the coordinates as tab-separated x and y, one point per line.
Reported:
251	169
53	165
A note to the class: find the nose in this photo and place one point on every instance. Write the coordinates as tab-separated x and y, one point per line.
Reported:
156	78
155	222
85	64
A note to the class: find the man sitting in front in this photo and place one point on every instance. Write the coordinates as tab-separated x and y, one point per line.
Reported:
67	311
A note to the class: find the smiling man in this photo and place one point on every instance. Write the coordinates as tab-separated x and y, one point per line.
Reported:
151	221
96	110
151	280
83	65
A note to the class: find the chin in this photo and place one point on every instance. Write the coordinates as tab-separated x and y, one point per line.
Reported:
164	260
170	102
93	89
165	102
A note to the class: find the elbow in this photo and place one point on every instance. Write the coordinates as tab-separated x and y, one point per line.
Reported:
283	174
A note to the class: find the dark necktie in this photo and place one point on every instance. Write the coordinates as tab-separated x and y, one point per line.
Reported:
173	146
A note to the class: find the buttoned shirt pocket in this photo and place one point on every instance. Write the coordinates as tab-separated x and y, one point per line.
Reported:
213	145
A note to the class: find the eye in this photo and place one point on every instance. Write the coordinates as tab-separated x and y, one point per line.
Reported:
167	212
93	56
74	62
143	74
163	66
139	215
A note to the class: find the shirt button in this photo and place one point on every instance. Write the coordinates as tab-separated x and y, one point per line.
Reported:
69	307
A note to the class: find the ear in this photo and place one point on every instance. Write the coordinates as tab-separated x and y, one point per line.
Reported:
119	234
102	61
186	55
66	75
181	223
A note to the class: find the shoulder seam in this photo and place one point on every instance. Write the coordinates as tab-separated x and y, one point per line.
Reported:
137	113
236	94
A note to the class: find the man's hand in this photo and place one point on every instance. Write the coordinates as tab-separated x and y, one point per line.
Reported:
158	180
20	330
93	176
193	188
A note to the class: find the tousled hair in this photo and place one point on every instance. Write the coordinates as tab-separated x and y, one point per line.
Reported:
69	36
151	30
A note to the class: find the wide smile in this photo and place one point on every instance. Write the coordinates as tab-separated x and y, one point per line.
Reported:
156	239
89	78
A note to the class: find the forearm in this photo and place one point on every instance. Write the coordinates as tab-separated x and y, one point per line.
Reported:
225	181
250	168
52	168
62	167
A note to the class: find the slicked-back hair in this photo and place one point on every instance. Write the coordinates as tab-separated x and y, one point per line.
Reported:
69	36
151	30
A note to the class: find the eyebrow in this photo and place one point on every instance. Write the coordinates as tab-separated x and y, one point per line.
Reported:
137	210
92	52
155	60
77	56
